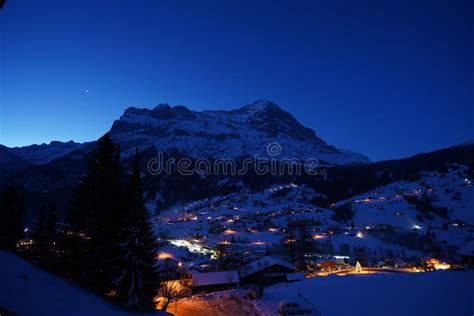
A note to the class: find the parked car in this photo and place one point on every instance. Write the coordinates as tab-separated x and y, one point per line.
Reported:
290	307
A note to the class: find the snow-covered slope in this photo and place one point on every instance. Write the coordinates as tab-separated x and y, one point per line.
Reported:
382	217
245	131
41	154
450	214
439	293
241	212
29	291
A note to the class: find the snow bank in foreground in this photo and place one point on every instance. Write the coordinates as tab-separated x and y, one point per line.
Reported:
27	291
436	293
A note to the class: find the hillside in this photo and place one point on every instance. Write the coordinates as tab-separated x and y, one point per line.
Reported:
29	291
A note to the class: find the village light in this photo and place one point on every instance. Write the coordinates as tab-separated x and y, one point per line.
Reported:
190	246
442	266
360	235
416	226
164	255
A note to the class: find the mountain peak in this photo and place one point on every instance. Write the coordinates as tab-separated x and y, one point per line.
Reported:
261	105
247	130
162	107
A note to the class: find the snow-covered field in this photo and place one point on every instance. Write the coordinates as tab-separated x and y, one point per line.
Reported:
435	293
29	291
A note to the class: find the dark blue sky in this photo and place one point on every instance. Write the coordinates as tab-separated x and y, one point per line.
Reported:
385	78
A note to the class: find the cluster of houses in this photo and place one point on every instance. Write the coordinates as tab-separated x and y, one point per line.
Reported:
266	270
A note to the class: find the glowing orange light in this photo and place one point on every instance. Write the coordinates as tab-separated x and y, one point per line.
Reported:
165	255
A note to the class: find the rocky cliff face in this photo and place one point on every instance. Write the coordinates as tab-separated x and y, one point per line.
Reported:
245	131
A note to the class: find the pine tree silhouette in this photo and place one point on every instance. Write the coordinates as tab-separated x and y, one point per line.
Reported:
11	219
95	217
45	236
137	278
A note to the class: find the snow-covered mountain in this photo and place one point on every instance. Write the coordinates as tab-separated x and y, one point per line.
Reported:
248	130
44	153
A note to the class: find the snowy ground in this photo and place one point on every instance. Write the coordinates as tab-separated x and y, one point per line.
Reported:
435	293
224	303
29	291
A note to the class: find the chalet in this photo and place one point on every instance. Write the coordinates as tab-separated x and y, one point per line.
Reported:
467	253
267	269
328	265
434	264
214	281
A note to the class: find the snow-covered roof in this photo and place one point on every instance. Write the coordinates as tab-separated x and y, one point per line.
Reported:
214	278
262	264
468	249
334	260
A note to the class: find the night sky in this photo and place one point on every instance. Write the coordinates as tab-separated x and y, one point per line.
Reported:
386	78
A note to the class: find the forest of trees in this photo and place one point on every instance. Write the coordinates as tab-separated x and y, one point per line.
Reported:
106	244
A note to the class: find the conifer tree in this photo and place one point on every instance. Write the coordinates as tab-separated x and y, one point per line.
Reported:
38	235
11	218
45	236
137	279
94	216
